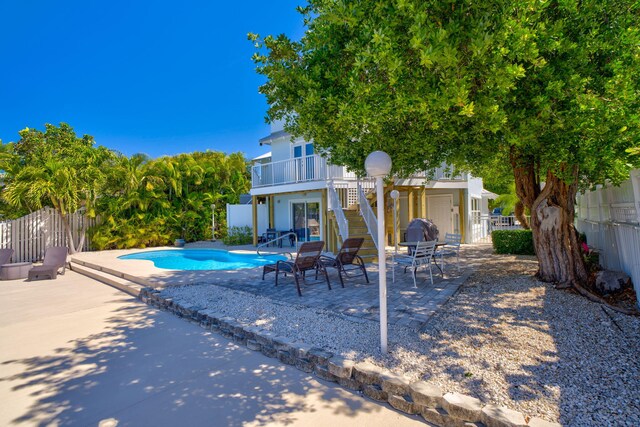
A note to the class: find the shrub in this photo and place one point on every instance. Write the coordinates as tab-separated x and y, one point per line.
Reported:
516	242
238	236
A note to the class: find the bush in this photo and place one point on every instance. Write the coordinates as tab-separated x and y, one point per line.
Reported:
238	236
516	242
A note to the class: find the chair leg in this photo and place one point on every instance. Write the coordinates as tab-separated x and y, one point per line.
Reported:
431	274
415	272
326	275
340	275
277	274
364	271
295	276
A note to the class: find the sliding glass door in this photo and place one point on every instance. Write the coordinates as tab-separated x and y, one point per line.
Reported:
306	220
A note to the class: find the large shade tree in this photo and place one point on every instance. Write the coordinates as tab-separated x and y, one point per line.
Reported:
549	86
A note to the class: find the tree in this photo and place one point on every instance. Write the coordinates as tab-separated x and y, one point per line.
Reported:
56	168
551	86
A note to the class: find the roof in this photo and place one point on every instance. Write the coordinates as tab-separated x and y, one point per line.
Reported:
488	194
262	156
275	135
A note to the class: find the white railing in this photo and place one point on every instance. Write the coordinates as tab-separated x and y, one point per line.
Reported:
443	173
301	169
29	236
316	168
336	207
368	215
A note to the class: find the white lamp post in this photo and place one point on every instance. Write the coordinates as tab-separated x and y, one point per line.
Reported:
378	165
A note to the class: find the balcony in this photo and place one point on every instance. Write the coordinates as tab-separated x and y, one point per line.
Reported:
316	168
298	170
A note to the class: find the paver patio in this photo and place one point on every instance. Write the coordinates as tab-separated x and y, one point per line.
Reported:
407	306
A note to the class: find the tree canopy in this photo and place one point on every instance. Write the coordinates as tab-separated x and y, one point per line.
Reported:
549	87
139	201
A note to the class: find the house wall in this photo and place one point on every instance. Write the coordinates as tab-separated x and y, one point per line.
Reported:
241	215
405	216
282	208
281	149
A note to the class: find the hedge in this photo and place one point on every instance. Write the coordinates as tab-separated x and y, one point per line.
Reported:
516	242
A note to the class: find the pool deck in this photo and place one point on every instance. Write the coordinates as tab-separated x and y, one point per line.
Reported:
407	306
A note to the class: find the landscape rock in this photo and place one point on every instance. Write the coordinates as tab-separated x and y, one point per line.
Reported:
495	416
611	282
368	373
426	394
462	406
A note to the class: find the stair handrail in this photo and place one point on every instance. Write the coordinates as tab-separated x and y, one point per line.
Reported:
336	207
367	215
291	233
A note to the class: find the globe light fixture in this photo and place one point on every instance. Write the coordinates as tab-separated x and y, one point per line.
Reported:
378	165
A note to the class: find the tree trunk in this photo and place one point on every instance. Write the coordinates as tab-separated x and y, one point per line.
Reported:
554	236
67	229
518	211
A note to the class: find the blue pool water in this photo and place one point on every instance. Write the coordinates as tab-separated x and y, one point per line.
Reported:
203	259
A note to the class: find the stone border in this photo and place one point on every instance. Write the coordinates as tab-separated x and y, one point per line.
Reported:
413	398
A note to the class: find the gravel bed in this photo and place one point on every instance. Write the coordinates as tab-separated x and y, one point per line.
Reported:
504	338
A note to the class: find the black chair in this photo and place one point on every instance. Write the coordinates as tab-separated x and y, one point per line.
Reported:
307	259
347	261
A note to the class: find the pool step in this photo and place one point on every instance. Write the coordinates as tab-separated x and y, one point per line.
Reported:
113	278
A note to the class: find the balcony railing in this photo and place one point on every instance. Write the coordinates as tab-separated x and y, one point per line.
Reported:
301	169
316	168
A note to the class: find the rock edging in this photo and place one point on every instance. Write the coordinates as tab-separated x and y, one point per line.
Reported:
413	398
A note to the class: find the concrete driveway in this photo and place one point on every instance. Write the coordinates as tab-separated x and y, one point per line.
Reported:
76	352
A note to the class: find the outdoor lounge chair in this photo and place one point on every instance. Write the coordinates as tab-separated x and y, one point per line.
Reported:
55	258
450	249
422	256
5	255
307	259
347	261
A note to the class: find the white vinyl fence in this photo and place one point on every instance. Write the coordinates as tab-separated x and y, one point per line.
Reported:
610	219
483	224
30	235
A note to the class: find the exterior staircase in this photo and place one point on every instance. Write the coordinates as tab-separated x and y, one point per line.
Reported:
358	228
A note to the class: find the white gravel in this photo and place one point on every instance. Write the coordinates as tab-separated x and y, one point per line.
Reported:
504	338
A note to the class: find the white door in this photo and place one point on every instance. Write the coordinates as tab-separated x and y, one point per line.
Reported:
439	210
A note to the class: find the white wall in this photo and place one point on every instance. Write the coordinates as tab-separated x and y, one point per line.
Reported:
282	208
242	215
475	187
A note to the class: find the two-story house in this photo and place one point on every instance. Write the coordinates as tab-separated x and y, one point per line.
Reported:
321	201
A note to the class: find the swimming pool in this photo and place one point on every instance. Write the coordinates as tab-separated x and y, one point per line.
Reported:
203	259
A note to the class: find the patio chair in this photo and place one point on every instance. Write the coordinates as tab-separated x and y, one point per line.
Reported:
347	260
307	259
55	258
450	249
5	255
422	256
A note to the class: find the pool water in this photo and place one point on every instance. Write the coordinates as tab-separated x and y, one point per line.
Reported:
204	259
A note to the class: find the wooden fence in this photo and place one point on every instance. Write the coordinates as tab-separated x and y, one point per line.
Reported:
610	219
30	235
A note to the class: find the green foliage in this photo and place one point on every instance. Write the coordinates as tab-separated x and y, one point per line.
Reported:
151	202
545	84
140	201
54	168
238	236
516	242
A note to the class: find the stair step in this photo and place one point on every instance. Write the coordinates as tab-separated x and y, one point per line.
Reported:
105	275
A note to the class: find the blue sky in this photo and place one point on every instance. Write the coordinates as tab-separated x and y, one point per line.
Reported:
161	77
